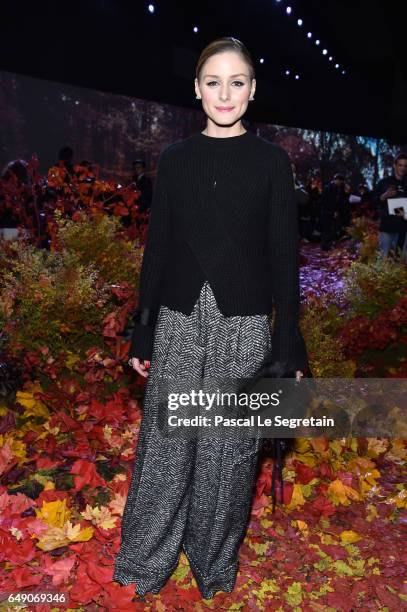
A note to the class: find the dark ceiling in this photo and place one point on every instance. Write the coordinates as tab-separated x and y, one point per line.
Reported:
118	46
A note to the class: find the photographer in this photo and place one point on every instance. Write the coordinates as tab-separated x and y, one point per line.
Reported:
392	229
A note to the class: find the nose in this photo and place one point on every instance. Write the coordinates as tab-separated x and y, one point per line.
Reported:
224	94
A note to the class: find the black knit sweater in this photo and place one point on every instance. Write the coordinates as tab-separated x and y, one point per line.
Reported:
223	210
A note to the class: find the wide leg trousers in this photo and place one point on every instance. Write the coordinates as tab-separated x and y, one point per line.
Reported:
192	494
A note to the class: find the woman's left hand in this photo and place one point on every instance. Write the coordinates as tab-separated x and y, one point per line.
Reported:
298	375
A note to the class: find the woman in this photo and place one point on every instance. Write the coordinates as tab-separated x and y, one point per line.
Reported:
222	246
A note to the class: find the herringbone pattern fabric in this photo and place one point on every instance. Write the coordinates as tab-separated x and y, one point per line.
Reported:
192	493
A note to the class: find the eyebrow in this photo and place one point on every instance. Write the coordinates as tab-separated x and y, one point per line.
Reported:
231	76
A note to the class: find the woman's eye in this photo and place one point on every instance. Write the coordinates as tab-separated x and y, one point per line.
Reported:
239	83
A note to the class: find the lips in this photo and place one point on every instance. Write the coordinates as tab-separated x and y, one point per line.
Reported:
224	109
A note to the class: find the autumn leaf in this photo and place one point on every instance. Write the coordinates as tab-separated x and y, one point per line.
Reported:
33	406
348	537
100	517
342	494
86	474
54	513
60	570
56	537
117	504
297	498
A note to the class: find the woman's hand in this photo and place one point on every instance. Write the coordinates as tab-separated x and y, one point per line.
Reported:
141	366
298	375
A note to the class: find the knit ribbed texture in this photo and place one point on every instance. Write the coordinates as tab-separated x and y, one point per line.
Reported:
224	210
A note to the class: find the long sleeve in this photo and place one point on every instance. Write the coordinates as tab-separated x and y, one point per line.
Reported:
287	342
152	267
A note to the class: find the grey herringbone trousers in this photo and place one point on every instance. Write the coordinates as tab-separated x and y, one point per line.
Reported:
195	493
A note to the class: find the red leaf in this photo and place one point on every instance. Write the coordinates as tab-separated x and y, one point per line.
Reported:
86	474
84	590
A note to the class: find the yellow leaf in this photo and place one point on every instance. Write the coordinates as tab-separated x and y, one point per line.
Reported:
101	517
376	447
19	450
259	547
84	535
294	594
62	536
302	445
372	513
297	498
348	537
33	407
398	451
400	499
336	446
341	494
301	525
74	533
54	513
326	538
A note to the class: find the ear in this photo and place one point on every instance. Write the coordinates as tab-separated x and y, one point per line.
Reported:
253	89
197	91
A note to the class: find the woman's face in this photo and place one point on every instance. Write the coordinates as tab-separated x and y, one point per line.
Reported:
225	87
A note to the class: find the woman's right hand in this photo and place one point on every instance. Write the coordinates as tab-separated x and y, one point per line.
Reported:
141	366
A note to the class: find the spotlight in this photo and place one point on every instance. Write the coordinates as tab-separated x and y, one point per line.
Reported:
324	52
287	72
300	22
309	35
330	58
261	60
195	29
151	8
343	71
297	77
317	42
288	10
336	65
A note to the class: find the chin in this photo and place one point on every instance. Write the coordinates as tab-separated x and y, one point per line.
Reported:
225	120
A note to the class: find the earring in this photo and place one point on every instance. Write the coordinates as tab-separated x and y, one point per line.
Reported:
198	97
251	99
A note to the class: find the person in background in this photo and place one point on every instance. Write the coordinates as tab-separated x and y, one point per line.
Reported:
304	213
314	189
333	210
392	229
143	184
12	215
361	201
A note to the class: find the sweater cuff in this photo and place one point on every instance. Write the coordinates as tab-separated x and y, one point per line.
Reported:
141	342
290	348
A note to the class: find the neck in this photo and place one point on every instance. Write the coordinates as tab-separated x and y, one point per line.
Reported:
224	132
